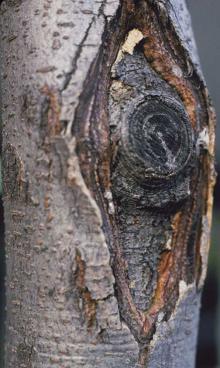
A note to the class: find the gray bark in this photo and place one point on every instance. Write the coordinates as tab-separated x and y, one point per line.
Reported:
106	246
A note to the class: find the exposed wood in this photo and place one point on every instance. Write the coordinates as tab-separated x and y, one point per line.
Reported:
108	145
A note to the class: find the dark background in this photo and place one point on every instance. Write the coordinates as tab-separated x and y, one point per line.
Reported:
206	23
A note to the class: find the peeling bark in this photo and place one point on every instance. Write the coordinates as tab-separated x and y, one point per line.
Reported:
108	145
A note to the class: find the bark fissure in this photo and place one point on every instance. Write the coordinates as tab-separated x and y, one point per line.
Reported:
76	57
168	70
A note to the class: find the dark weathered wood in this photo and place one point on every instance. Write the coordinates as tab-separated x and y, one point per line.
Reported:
108	144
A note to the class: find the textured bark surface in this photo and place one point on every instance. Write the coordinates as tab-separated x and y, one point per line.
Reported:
108	139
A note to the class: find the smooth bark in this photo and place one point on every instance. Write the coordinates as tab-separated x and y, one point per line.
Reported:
106	246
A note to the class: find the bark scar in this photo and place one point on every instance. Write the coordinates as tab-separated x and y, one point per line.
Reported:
53	111
88	303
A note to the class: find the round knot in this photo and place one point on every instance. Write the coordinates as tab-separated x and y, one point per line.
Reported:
157	139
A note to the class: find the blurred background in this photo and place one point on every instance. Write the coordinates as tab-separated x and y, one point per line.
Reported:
206	23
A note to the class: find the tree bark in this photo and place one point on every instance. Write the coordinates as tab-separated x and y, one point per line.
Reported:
108	141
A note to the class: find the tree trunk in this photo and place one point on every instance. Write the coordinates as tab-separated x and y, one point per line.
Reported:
108	174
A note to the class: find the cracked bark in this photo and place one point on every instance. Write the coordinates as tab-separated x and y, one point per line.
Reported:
108	139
